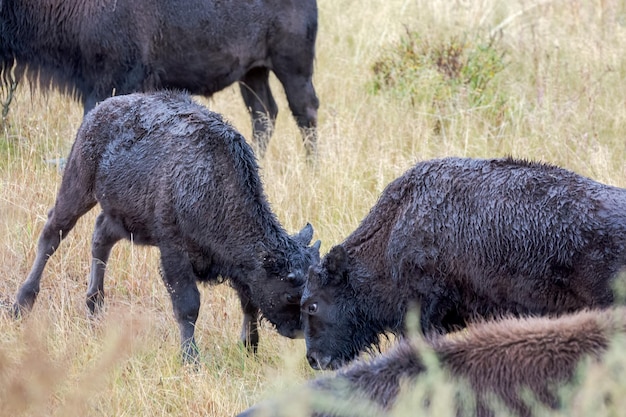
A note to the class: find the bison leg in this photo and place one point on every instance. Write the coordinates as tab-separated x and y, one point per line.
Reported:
249	328
180	281
303	101
439	310
106	233
256	93
61	219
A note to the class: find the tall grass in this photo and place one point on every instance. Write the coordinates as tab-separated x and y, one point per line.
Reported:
563	85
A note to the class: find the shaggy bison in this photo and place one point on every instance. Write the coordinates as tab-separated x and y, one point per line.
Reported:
502	360
95	49
466	238
171	174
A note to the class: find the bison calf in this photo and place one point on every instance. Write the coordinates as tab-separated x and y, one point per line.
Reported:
169	173
466	238
503	360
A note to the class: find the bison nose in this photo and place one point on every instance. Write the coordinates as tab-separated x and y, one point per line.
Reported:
317	361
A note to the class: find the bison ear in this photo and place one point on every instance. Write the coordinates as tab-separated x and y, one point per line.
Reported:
305	235
336	261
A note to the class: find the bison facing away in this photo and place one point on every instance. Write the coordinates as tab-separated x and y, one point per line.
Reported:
96	49
503	360
171	174
466	238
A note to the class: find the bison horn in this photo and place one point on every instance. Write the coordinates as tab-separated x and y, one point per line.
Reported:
296	278
315	251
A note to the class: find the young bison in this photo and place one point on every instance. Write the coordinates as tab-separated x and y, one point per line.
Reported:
169	173
466	238
502	360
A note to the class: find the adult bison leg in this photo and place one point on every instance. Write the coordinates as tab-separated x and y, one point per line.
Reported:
180	282
249	328
73	200
106	233
303	102
256	93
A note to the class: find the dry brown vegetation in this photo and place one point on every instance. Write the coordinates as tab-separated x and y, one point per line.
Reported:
564	85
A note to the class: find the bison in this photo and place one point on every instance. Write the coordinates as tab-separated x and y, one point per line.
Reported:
169	173
501	360
96	49
462	239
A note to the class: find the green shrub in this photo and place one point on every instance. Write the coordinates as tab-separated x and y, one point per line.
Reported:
453	73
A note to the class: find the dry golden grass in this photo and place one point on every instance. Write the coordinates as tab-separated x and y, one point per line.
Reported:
564	82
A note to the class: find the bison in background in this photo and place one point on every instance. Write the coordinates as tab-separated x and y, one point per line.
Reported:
169	173
502	360
96	49
462	239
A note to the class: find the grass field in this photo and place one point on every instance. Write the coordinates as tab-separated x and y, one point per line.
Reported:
560	98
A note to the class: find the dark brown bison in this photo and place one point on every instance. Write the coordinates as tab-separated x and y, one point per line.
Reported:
466	238
503	360
171	174
96	49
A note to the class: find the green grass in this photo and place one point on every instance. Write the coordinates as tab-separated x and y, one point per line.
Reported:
563	102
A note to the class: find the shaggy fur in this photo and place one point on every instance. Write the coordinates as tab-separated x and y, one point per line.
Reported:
462	239
99	48
169	173
503	360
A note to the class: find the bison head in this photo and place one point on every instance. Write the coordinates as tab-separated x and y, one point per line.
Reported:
278	295
333	314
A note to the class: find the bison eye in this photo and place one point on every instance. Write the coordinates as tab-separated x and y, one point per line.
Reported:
291	299
312	308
